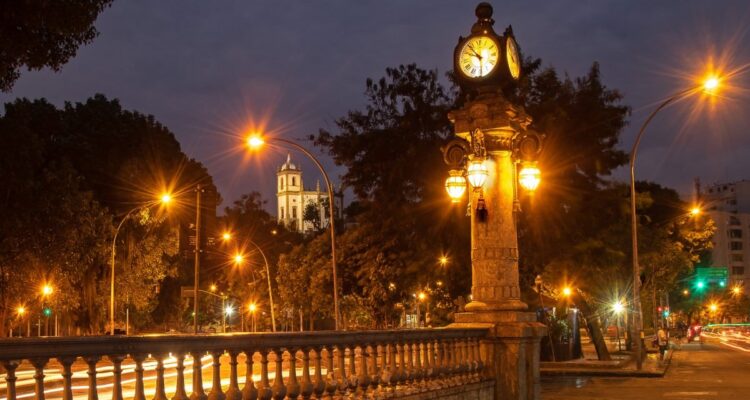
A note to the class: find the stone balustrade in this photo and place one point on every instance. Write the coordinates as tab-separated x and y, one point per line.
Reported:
357	364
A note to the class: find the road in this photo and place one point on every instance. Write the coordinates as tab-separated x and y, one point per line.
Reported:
716	369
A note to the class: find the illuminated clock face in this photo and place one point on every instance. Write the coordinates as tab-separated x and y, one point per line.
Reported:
511	54
478	57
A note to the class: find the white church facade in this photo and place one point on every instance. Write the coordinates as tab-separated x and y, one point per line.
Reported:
293	199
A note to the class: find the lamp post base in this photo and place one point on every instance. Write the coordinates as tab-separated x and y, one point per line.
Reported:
510	350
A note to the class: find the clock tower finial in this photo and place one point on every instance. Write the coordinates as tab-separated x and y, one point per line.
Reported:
484	17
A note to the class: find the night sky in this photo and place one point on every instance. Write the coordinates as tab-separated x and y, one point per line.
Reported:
206	69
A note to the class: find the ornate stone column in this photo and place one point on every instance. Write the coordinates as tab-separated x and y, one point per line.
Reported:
511	351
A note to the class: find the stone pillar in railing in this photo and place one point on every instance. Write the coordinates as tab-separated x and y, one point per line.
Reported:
331	384
352	377
160	393
179	392
319	386
249	392
341	382
279	389
67	374
233	391
140	393
198	392
10	378
216	392
91	362
306	387
264	387
375	366
117	375
364	375
292	386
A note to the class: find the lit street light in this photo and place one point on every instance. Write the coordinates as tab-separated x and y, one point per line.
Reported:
165	199
255	141
709	86
567	291
252	308
239	259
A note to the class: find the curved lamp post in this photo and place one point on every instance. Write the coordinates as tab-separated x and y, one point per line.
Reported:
709	86
256	141
165	199
238	259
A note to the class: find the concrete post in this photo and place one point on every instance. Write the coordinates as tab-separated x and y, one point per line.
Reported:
511	350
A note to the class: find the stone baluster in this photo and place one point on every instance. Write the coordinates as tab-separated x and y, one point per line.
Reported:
429	361
306	387
117	375
403	372
264	388
140	393
353	378
160	393
91	361
364	375
341	380
179	391
472	364
478	358
249	392
375	367
330	373
459	359
39	364
198	392
67	374
10	378
418	370
392	371
293	388
279	389
233	391
216	393
412	372
320	384
465	343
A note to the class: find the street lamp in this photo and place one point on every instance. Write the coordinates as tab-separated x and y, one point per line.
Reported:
695	211
529	177
255	141
477	173
252	308
708	86
239	260
164	199
455	185
443	260
566	291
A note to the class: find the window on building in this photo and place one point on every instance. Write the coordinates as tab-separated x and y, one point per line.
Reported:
735	245
282	213
294	212
281	183
737	257
738	270
294	181
735	233
734	220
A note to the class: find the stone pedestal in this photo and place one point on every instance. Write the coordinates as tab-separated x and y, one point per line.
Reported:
511	350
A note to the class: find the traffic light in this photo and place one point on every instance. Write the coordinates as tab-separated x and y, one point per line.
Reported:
47	311
666	312
700	285
722	283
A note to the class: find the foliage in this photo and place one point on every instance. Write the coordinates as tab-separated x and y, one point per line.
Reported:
75	173
38	34
311	214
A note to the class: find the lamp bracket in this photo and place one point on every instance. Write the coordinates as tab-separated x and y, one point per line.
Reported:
455	153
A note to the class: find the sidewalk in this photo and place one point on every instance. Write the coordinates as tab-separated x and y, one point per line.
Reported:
622	364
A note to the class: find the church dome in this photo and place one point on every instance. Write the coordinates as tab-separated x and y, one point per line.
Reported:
288	166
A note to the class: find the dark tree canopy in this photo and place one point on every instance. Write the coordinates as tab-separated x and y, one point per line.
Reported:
43	33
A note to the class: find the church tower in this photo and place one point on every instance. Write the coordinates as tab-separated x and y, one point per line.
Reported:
289	195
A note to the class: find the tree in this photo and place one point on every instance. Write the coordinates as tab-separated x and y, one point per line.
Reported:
311	214
39	33
110	160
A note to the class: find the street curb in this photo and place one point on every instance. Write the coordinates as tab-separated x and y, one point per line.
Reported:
609	371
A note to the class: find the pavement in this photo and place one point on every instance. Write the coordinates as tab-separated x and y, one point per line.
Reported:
711	370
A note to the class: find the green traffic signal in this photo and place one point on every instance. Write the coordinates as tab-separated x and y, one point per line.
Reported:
47	311
700	285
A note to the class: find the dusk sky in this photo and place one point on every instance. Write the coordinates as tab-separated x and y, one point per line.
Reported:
206	69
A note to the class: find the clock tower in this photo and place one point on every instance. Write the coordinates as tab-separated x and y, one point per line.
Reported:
494	145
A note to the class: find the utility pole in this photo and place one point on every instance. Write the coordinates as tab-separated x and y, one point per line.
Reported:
198	190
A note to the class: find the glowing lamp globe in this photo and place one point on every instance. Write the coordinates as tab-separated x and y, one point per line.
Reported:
477	173
529	177
455	185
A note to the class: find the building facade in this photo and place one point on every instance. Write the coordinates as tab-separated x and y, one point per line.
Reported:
728	204
292	200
